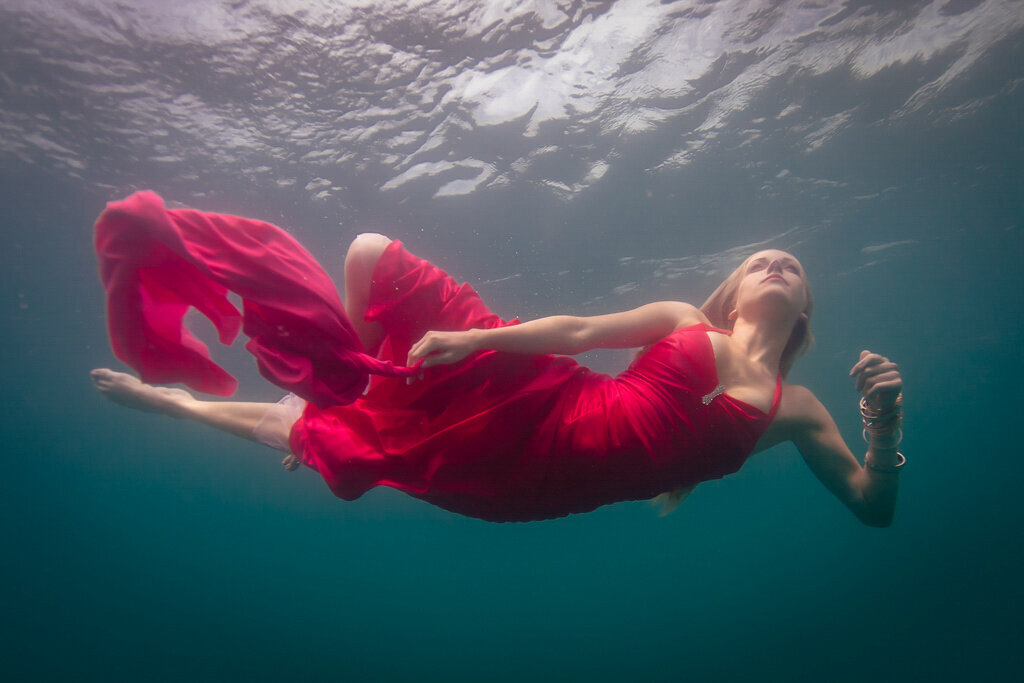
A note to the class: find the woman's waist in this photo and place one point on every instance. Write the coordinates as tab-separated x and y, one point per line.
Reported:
598	413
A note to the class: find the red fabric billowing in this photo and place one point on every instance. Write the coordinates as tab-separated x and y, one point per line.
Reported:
513	437
156	263
499	436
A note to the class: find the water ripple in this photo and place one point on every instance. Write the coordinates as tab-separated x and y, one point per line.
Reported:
450	97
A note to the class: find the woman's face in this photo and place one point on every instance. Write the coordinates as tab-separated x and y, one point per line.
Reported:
773	282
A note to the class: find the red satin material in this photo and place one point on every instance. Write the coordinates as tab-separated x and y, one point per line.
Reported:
509	437
156	263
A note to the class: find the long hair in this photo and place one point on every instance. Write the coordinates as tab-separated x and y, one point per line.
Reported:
717	308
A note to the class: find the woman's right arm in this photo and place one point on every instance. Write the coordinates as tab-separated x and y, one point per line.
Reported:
561	334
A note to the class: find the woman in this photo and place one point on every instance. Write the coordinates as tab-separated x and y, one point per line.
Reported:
492	424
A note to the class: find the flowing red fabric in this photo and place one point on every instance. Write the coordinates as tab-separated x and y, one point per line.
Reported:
513	437
156	263
499	436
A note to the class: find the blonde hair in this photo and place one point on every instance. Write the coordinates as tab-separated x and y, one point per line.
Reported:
717	308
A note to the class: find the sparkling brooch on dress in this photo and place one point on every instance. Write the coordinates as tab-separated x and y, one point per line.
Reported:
708	398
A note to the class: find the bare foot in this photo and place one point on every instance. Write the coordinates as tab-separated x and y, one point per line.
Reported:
129	391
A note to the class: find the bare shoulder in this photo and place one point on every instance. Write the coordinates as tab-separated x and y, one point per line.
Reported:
800	412
800	407
683	313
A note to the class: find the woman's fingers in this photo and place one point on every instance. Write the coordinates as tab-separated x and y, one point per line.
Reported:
441	348
869	366
419	349
427	345
877	377
876	373
867	359
891	386
434	348
429	355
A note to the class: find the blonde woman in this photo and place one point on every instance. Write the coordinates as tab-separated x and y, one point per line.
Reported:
478	415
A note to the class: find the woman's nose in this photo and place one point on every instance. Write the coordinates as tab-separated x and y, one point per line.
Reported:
775	266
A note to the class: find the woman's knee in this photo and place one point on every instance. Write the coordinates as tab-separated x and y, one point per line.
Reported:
360	262
367	248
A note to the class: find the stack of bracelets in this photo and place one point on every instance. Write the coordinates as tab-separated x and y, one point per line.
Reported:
882	430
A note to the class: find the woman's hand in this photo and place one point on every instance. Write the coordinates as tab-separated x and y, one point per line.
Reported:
442	348
878	379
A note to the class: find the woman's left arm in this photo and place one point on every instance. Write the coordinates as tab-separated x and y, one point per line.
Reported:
869	491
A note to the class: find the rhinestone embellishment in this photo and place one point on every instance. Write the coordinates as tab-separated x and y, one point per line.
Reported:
708	398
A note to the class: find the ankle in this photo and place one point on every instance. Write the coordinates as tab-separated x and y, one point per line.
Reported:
183	405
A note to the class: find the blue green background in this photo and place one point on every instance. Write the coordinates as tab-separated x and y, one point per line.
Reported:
141	548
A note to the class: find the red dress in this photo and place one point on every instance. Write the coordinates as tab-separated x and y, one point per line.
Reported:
512	437
499	436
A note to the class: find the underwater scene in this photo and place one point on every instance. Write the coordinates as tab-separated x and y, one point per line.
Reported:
563	157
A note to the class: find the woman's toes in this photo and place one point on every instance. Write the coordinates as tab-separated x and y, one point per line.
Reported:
130	391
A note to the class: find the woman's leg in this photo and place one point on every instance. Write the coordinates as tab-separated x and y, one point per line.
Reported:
232	417
360	263
240	418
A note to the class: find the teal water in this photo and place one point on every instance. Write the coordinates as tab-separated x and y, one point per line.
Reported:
139	548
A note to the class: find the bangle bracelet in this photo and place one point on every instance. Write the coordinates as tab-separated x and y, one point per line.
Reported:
895	469
899	437
882	428
867	411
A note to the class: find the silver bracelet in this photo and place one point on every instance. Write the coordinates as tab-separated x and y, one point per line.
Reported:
895	469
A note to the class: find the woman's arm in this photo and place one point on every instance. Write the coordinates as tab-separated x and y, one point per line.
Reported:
868	491
563	334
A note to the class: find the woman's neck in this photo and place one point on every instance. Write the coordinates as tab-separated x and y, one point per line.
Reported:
762	342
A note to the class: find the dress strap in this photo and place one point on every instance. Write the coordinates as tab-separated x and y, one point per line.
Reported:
712	328
776	399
